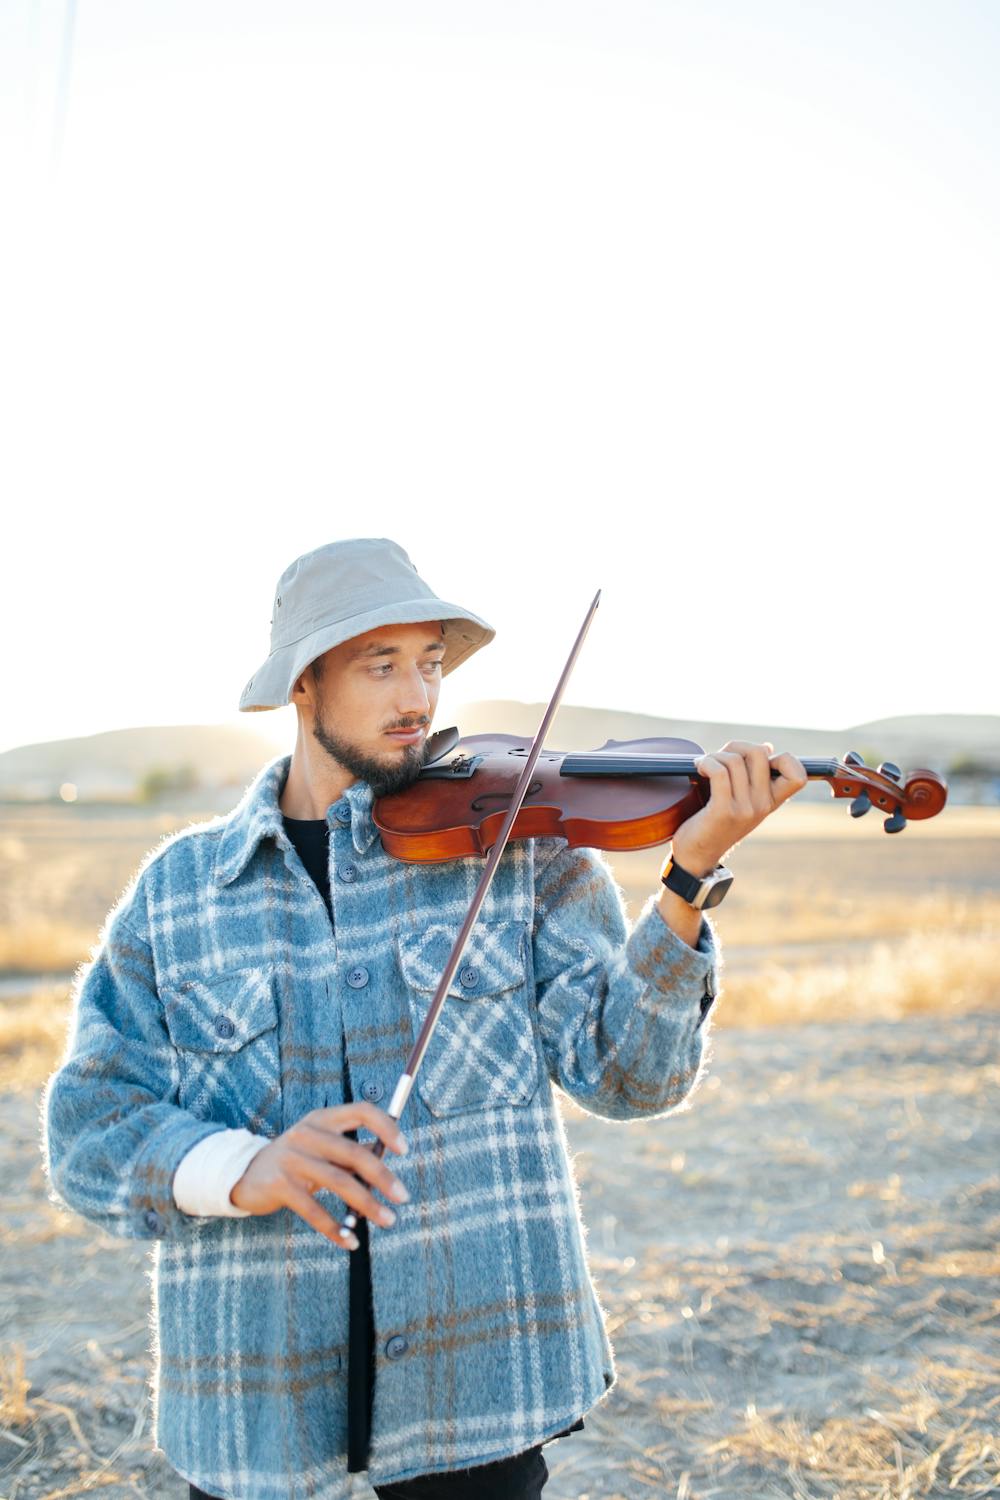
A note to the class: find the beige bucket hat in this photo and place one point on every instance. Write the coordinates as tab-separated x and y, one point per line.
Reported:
339	591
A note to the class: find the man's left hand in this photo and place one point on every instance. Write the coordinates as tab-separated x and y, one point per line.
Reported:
742	793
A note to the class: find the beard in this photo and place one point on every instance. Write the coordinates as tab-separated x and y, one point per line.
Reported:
382	778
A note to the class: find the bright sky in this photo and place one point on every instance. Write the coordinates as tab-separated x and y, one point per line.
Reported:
695	302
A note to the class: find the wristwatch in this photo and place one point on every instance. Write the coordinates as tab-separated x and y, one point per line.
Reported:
697	890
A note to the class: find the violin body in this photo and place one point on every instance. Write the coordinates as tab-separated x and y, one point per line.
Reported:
629	794
458	806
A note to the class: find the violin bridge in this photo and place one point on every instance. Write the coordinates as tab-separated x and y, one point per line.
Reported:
458	769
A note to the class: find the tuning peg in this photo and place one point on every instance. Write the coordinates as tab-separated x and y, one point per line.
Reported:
896	823
860	805
887	768
852	758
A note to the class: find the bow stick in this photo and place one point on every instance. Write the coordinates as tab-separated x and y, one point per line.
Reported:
405	1084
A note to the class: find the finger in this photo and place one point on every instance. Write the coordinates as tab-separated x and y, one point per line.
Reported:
744	745
357	1113
720	784
791	776
312	1141
314	1173
740	779
757	762
307	1208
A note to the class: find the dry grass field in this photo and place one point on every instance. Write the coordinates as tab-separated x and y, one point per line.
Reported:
800	1268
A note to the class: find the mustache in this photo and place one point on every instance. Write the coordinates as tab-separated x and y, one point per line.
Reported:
420	723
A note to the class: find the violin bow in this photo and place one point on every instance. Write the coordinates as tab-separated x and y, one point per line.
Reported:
405	1084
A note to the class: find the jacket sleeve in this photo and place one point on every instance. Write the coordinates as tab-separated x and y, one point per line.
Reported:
112	1133
622	1013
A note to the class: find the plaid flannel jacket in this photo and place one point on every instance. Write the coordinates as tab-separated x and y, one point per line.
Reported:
219	996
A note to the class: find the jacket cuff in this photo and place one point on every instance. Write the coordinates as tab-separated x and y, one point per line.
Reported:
154	1212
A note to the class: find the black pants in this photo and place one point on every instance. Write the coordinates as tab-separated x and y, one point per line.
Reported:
519	1478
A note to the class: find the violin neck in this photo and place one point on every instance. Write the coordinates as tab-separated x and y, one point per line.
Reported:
607	763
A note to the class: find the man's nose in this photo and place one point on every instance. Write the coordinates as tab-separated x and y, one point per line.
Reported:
413	697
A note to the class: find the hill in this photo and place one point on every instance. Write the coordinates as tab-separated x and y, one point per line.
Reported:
222	759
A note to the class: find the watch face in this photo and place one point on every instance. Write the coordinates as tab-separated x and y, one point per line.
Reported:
718	890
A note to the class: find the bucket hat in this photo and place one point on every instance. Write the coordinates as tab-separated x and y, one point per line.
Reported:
340	591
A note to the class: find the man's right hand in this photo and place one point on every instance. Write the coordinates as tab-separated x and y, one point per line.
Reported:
297	1163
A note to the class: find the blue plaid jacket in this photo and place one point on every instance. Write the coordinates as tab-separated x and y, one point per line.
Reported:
220	996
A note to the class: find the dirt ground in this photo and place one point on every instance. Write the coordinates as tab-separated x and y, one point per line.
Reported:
799	1272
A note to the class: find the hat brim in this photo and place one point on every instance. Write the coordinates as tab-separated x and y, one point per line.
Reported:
271	685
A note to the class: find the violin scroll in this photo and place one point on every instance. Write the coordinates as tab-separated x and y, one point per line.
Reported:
922	795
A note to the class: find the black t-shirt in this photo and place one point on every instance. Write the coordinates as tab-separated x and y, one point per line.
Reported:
311	837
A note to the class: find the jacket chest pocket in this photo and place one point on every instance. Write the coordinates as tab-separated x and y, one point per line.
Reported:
483	1052
225	1031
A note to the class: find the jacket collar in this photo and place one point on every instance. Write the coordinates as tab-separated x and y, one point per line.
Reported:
258	815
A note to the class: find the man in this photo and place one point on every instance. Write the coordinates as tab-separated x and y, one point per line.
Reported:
256	992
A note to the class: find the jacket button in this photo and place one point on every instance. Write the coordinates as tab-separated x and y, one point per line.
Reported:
342	811
153	1221
224	1026
357	978
348	872
372	1089
396	1347
469	976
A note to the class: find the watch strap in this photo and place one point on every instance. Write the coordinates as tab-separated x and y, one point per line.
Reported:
681	881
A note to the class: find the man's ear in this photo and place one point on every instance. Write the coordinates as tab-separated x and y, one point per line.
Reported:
302	683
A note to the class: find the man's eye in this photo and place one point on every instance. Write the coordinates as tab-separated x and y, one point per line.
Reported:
385	667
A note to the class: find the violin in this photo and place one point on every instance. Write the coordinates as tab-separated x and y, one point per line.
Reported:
629	794
473	795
